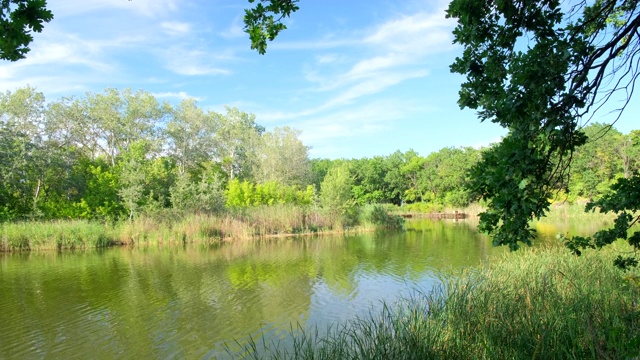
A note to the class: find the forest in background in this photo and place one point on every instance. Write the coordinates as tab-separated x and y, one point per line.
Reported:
120	154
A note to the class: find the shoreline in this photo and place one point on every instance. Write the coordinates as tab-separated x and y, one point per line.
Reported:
65	235
264	223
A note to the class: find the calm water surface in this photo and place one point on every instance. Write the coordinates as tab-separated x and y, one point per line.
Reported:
174	302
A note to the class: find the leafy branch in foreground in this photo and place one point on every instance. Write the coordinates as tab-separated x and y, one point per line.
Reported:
624	200
17	19
264	22
538	70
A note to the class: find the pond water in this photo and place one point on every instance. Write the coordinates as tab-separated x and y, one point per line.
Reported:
188	302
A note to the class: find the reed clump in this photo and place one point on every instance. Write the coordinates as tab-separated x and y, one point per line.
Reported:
176	230
74	234
173	228
534	304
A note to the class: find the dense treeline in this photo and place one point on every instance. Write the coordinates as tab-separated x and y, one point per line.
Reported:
119	154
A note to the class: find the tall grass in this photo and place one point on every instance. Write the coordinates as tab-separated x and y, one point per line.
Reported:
287	219
535	304
192	228
564	211
172	228
74	234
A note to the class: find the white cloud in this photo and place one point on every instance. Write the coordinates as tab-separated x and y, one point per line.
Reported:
366	66
70	51
488	143
327	58
176	95
60	62
195	62
372	85
414	33
313	44
48	85
393	51
175	28
182	68
149	8
349	95
235	30
367	119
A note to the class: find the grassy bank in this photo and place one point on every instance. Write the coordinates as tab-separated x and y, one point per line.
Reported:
559	210
172	228
534	304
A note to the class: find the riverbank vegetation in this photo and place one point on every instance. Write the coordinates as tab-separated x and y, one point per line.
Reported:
181	229
536	303
122	162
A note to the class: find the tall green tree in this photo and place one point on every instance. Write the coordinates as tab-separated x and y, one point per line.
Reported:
630	153
318	170
414	171
15	150
596	164
336	194
117	119
27	157
68	123
23	109
396	182
191	135
205	195
369	180
132	177
237	140
283	158
444	176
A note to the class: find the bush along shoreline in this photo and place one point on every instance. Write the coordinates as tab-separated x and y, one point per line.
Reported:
172	228
531	304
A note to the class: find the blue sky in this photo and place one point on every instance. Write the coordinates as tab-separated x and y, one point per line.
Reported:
360	78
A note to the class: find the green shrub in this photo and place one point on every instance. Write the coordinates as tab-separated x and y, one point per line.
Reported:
378	215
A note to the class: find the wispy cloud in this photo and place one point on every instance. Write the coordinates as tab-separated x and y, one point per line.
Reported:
235	30
149	8
352	122
345	97
49	85
70	51
417	33
393	44
393	52
195	62
327	58
348	93
60	62
318	44
371	86
182	95
175	28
